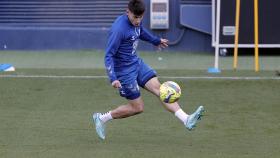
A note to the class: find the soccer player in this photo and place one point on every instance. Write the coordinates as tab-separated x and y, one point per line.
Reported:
127	71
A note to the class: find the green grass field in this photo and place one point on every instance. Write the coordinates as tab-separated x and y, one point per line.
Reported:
51	117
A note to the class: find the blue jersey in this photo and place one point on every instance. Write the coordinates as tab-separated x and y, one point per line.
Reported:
121	58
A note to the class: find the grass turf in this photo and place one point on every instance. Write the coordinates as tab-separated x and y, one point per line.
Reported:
94	59
46	118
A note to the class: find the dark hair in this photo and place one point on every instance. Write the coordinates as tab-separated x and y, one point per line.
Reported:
137	7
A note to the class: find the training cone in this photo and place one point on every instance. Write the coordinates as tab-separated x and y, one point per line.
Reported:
6	67
214	70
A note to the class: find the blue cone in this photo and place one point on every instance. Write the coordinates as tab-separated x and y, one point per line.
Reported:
214	70
6	67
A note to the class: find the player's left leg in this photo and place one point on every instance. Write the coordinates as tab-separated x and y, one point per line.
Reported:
189	121
153	86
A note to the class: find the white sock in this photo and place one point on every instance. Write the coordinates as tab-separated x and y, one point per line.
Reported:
181	115
106	117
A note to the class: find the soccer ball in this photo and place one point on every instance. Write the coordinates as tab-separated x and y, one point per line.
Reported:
169	92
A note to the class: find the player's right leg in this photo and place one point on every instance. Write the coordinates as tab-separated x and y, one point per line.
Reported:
99	125
134	106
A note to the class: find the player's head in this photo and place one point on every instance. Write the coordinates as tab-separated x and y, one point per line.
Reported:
135	11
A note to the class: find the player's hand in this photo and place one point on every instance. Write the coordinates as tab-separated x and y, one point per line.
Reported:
116	84
163	43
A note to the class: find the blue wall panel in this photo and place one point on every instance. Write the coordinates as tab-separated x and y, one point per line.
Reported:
47	39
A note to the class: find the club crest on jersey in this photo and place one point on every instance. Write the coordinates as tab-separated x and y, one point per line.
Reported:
133	38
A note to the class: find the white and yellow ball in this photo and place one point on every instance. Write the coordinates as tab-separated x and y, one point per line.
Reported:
169	92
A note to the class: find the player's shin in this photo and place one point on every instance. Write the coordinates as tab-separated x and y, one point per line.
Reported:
176	109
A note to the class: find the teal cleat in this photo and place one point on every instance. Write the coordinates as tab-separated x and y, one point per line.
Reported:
99	125
194	117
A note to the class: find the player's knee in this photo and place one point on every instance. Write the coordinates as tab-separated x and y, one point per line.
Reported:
156	89
139	108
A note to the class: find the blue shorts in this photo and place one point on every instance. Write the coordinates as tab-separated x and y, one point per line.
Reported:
131	82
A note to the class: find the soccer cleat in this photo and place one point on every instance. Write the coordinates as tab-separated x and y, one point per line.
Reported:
194	117
99	125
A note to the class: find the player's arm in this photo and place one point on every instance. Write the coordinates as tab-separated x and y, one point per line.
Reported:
145	35
113	44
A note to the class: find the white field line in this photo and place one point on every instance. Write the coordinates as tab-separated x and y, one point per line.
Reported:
163	77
